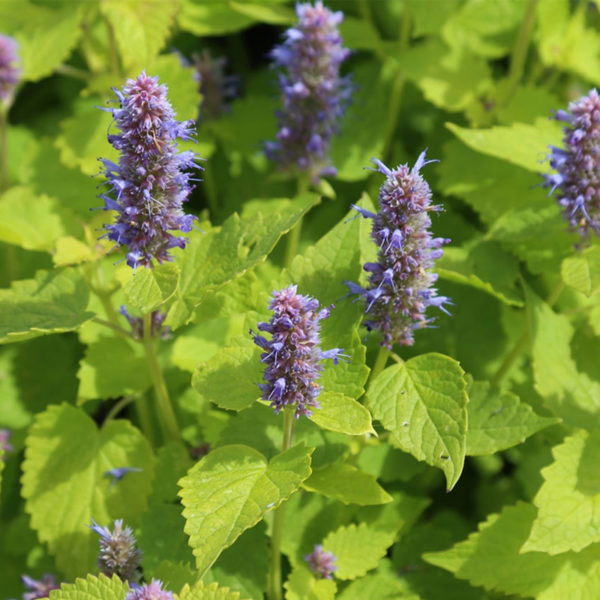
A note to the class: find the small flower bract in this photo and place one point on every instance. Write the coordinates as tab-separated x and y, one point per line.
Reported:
118	552
321	563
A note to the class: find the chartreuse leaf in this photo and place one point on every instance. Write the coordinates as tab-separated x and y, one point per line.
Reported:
273	13
490	558
343	414
384	584
204	17
70	251
569	500
582	270
498	420
571	395
423	404
347	484
302	585
92	588
222	254
150	288
64	485
53	302
521	144
212	591
357	549
174	575
231	489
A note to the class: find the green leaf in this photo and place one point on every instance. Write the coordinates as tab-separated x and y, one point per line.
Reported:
521	144
70	251
212	591
149	289
204	17
490	558
423	404
93	588
302	585
343	414
64	485
582	271
231	489
383	584
213	259
498	420
53	302
569	500
175	575
348	484
273	14
357	549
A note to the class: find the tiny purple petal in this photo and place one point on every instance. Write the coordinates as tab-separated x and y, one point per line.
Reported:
39	588
321	563
10	73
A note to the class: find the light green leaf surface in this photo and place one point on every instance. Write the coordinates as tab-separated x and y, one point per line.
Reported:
569	500
348	484
92	588
212	591
383	584
231	489
423	404
175	575
343	414
70	251
64	485
203	17
498	420
150	288
53	302
358	549
274	14
302	585
582	270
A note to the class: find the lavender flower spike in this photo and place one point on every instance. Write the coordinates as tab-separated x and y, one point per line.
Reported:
401	281
321	563
149	591
118	553
577	165
9	70
313	93
149	185
293	356
39	588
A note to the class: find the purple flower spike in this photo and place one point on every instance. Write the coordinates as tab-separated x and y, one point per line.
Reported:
577	165
39	588
137	324
149	591
400	283
321	563
149	185
216	87
313	93
9	70
5	445
118	553
293	356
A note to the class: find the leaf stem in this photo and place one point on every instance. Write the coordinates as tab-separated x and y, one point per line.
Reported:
274	589
119	406
112	326
167	417
293	237
380	362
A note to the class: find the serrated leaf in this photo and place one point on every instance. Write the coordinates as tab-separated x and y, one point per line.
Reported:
212	591
150	288
53	302
357	549
582	271
92	588
231	489
340	413
384	584
498	420
71	251
522	144
569	500
302	585
64	485
348	484
423	404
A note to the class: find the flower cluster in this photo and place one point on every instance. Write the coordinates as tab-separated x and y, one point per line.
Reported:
216	87
137	324
39	588
149	591
313	93
293	356
9	70
577	165
400	283
149	185
321	563
118	553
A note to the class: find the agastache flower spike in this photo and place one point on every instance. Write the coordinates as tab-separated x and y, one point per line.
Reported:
149	591
401	281
149	185
39	588
216	87
577	165
118	552
321	563
293	356
313	93
137	324
9	70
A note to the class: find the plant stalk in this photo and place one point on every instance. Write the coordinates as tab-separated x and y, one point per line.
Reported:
380	362
293	237
3	149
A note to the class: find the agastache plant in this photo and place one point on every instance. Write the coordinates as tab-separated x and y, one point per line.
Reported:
321	563
149	185
149	591
313	93
118	552
577	165
216	87
137	324
400	287
292	355
10	73
39	588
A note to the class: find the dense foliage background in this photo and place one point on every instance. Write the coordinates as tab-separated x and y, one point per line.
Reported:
499	403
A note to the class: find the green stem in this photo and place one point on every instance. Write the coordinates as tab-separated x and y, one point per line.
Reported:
167	417
112	326
118	407
274	590
380	362
293	237
3	149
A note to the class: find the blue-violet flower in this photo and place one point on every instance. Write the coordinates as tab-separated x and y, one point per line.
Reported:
149	591
39	588
118	553
10	72
577	165
137	324
149	185
313	93
321	563
293	356
400	283
5	444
